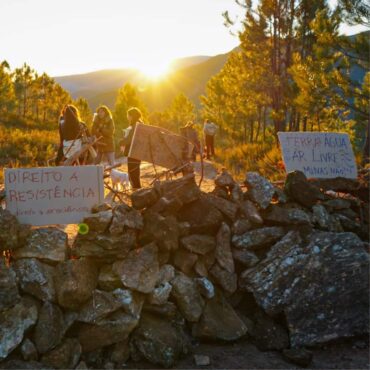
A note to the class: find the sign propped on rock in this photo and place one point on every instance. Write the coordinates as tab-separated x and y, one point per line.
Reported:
53	195
318	154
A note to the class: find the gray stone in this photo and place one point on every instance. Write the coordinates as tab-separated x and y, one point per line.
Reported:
49	329
65	356
168	309
219	321
201	360
205	287
202	215
227	208
160	294
321	216
159	341
107	279
224	256
9	229
200	267
47	244
120	353
131	302
287	216
112	329
298	188
237	194
104	247
144	198
258	238
250	211
28	351
13	324
9	294
125	217
200	244
184	260
224	179
260	190
241	226
225	279
162	230
75	281
187	296
36	278
327	269
245	257
166	274
139	270
338	203
100	305
98	222
102	207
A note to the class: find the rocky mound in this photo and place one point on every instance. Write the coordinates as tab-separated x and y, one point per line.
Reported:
287	269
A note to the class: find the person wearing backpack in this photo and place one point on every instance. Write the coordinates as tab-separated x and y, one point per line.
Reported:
209	131
103	126
71	132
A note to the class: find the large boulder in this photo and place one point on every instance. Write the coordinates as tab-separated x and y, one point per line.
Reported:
99	221
227	280
36	278
47	244
9	228
112	329
224	179
9	294
187	296
139	270
49	329
107	279
250	211
144	198
227	208
13	324
298	188
75	281
260	190
326	269
219	321
159	341
258	238
184	260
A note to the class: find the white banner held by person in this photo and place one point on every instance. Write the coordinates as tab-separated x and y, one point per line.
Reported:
318	154
53	195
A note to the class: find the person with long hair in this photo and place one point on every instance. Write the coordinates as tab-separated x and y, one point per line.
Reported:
134	117
103	126
71	130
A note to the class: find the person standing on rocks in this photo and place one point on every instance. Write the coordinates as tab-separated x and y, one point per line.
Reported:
209	130
134	117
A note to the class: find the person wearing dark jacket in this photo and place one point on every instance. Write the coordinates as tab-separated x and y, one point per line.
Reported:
134	117
103	127
71	131
191	134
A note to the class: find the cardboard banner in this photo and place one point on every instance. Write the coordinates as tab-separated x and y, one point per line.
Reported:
318	154
156	145
53	195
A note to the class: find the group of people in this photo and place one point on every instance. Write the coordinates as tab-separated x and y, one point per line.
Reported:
74	133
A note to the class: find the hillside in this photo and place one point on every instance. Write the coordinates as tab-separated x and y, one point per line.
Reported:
189	76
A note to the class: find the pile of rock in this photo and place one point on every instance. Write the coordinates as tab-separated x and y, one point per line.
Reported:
287	269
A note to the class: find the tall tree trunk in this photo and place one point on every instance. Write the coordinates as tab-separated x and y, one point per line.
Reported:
304	123
258	123
365	153
245	131
252	131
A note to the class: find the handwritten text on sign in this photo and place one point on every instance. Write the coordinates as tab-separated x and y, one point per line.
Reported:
318	154
53	195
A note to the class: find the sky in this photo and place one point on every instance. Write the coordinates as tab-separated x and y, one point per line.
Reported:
62	37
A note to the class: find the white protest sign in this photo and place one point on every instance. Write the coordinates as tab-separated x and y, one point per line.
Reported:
53	195
318	154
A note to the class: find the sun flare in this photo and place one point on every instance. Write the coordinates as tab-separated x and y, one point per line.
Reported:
154	70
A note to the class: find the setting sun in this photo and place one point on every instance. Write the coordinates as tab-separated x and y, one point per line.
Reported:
154	70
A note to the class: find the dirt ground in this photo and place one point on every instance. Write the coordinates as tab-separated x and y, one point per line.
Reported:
244	355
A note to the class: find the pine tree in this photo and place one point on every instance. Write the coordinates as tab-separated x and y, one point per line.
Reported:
180	112
85	112
7	97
